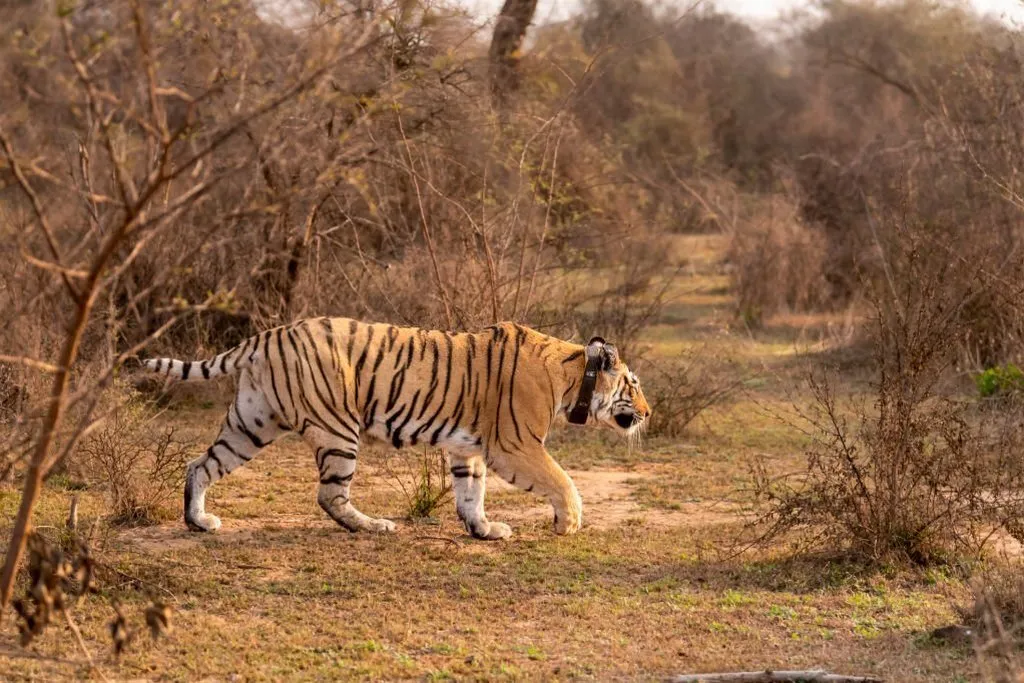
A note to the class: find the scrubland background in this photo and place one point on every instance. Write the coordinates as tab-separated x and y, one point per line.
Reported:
805	241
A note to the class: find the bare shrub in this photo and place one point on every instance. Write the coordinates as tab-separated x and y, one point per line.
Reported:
139	465
58	579
778	261
680	389
998	616
631	293
917	476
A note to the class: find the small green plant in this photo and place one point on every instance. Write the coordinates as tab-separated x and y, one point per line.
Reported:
430	487
1001	380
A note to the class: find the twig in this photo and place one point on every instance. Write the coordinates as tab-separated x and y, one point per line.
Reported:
72	521
37	209
439	538
28	654
30	363
81	643
136	579
442	290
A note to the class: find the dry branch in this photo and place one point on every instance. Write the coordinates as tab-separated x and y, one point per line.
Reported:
768	676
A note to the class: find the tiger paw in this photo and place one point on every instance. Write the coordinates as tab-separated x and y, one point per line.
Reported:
493	531
568	524
203	522
380	526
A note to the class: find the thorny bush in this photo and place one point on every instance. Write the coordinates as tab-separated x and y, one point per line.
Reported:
139	464
920	475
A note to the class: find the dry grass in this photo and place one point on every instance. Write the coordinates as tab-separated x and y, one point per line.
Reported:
648	589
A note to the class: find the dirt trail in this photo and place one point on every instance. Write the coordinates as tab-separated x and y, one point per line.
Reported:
608	502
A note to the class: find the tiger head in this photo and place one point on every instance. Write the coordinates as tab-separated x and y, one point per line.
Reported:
618	400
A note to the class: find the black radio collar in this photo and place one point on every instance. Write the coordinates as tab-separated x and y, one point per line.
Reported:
581	409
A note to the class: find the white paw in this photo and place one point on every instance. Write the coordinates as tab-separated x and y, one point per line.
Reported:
568	523
381	526
498	531
495	531
203	522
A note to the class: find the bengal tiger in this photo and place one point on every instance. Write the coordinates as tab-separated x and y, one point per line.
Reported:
488	398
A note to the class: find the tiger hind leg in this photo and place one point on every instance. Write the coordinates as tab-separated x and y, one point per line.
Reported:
469	482
250	425
336	462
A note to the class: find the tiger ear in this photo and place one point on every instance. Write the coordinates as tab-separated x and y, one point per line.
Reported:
611	357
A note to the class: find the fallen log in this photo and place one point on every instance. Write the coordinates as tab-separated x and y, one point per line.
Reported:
769	676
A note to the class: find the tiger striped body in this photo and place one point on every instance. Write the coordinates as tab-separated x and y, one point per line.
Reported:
488	398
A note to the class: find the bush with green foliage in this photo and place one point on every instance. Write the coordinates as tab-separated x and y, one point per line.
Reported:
1001	380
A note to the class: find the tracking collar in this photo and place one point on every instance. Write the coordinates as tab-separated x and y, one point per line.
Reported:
581	410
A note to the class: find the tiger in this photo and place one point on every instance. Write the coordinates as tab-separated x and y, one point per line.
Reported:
487	398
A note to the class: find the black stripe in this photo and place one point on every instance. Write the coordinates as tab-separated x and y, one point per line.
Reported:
412	351
459	408
256	441
205	367
572	356
211	455
369	395
362	356
338	453
380	356
396	390
398	356
336	479
273	383
354	434
460	471
185	369
447	383
396	440
297	392
159	364
512	383
470	357
256	348
501	394
284	369
490	358
437	433
372	413
225	444
433	378
319	364
353	327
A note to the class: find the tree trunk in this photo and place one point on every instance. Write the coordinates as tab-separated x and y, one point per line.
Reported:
509	31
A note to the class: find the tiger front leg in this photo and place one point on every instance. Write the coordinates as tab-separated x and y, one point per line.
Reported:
469	482
536	471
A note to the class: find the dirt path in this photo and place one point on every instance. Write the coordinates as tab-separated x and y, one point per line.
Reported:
608	497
